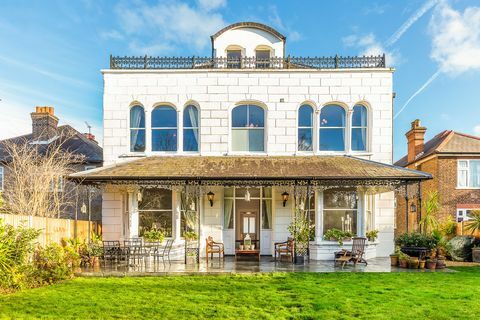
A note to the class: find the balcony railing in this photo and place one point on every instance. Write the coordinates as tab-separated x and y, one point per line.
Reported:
336	62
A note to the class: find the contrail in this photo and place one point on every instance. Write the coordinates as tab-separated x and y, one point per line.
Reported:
407	24
426	84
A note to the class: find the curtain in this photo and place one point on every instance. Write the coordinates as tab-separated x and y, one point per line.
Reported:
193	115
228	214
136	121
267	209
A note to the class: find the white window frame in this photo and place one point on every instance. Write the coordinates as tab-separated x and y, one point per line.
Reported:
358	210
264	128
346	130
172	210
190	128
465	169
2	175
153	129
134	128
463	213
367	144
312	128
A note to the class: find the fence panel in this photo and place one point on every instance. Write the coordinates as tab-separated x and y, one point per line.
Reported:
462	230
52	229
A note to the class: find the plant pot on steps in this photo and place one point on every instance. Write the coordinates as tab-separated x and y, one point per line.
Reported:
476	254
431	264
403	263
421	264
394	260
441	262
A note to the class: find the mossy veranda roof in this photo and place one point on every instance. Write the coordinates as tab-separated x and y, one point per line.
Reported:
249	167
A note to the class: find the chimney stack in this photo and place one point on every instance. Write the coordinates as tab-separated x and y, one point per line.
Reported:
416	140
90	136
44	123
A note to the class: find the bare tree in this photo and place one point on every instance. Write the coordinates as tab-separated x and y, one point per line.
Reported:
34	178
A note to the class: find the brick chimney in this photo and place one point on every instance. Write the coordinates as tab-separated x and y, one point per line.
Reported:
416	140
90	137
44	124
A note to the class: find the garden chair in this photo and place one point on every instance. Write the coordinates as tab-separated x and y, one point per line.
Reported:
160	252
214	247
111	250
134	250
355	255
285	249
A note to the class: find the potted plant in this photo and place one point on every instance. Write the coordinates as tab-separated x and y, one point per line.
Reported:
474	226
416	244
431	263
153	235
372	235
347	236
335	235
394	259
421	264
300	230
413	263
403	260
190	236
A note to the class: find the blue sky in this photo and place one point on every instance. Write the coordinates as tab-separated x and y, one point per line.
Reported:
51	52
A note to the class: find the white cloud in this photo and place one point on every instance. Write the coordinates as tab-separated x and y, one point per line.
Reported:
212	4
162	27
275	19
455	38
370	46
476	130
113	34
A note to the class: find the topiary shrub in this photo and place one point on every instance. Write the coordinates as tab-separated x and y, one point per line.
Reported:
461	247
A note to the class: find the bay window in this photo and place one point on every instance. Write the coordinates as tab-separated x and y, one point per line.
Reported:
248	128
156	211
332	128
164	129
468	174
340	210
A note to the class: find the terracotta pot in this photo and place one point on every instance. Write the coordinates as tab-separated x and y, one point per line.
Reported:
394	260
413	264
421	264
441	263
403	263
431	264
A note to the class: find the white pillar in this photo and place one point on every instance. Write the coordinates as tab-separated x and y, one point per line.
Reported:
176	215
319	216
361	214
134	215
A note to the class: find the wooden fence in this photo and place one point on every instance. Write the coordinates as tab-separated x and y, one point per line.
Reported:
462	230
54	230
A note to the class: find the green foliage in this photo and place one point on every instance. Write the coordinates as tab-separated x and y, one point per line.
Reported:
299	228
190	236
429	221
53	263
153	235
448	227
403	256
372	235
473	225
337	235
416	240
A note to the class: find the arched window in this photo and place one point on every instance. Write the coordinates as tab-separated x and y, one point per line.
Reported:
190	128
164	129
305	128
248	128
137	129
332	128
359	128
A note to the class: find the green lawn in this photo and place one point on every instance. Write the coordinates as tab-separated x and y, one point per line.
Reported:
267	296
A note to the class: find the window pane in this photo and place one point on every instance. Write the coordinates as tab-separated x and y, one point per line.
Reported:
164	140
345	220
256	140
256	116
474	180
359	138
190	117
155	199
137	140
240	140
305	116
332	116
332	139
267	214
463	164
164	117
305	140
262	54
239	117
359	117
190	139
160	220
333	199
462	178
233	58
137	117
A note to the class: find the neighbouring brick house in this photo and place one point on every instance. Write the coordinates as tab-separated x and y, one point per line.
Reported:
453	159
45	131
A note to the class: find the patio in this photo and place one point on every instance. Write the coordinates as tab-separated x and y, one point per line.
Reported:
230	266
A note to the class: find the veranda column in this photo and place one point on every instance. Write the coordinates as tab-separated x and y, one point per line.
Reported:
361	215
134	215
319	216
176	216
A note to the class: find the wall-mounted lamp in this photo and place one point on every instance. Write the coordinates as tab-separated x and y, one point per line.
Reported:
210	196
285	197
413	207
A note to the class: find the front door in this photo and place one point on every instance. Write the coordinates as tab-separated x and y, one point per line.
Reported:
248	225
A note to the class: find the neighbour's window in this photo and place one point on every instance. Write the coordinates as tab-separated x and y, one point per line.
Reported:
340	210
234	59
468	173
359	128
155	211
90	167
332	128
164	129
137	129
305	128
262	59
465	214
1	178
190	128
248	128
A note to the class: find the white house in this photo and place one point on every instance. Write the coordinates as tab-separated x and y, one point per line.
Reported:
242	141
